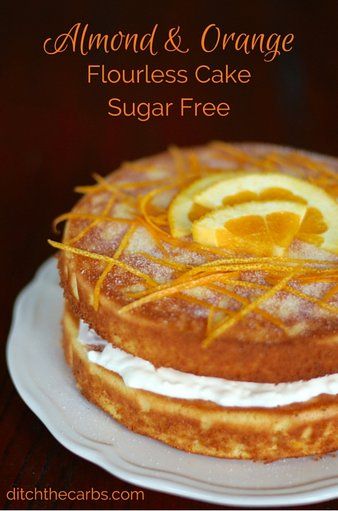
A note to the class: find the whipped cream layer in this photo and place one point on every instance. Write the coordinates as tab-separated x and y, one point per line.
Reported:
141	374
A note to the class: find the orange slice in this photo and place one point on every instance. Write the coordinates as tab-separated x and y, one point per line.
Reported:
182	209
263	228
320	222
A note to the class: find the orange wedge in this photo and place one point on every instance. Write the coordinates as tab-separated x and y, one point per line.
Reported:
319	225
263	228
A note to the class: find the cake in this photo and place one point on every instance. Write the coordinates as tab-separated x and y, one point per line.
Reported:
201	299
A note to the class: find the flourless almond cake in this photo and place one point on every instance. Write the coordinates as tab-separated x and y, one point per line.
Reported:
201	299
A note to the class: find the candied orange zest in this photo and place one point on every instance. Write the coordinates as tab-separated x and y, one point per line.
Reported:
311	164
325	276
289	289
123	244
330	293
99	283
100	257
114	188
179	158
225	325
154	233
164	262
297	161
144	203
88	189
212	313
73	216
200	302
271	268
266	315
312	299
233	151
137	166
84	231
141	184
192	278
210	319
88	216
195	166
241	156
279	260
125	241
160	220
165	290
95	222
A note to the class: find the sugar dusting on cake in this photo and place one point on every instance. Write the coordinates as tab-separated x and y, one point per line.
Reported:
104	238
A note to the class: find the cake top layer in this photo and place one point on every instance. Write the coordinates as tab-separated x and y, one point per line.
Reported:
122	242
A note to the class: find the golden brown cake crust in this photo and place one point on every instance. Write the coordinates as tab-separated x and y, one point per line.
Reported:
169	332
202	427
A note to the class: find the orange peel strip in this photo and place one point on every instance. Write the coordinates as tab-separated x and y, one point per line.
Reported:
154	233
91	225
312	299
88	216
318	301
164	262
98	285
330	293
211	316
179	159
137	166
233	151
265	314
88	189
225	325
311	164
113	188
125	240
141	184
277	259
165	290
108	268
241	156
100	257
202	303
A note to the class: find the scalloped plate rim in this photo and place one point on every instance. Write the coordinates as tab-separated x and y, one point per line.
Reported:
179	486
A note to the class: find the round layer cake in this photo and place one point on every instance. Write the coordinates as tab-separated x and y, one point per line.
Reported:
201	299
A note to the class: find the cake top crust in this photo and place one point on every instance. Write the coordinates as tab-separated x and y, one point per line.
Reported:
119	246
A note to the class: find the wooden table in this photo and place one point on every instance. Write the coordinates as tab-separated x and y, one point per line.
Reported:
55	132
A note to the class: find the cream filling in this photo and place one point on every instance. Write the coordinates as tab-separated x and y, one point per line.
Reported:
141	374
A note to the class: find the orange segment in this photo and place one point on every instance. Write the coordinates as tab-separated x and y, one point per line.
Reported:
260	228
312	227
282	227
239	198
253	232
273	193
276	193
197	211
252	227
319	226
313	222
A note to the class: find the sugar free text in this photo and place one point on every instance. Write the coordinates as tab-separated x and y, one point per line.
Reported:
145	110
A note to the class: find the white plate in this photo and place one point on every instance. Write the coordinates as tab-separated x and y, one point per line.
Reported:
43	380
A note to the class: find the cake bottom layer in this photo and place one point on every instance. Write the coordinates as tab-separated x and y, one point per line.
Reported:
201	427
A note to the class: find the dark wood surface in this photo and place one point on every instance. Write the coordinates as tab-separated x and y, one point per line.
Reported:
54	133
